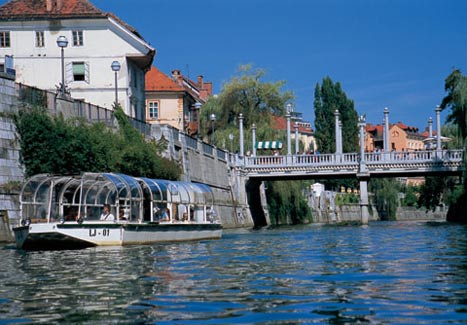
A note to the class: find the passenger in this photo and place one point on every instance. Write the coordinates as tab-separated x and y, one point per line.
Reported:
121	214
106	215
165	215
73	216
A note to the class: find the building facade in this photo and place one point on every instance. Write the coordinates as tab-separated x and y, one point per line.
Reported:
29	32
175	100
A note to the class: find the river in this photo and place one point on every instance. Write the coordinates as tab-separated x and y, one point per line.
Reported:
384	273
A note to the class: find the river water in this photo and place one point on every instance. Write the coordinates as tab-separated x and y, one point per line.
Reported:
385	273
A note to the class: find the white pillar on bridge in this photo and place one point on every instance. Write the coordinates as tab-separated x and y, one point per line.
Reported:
341	150
253	137
240	124
438	128
430	133
337	133
287	117
386	134
364	214
296	138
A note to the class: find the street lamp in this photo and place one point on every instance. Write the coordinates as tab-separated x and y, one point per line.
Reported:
213	119
197	106
116	67
62	42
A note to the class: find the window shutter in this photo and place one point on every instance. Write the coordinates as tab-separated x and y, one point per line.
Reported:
69	72
87	76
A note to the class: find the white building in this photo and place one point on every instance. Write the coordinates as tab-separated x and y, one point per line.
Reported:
29	30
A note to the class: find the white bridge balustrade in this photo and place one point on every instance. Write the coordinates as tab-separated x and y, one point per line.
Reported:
404	163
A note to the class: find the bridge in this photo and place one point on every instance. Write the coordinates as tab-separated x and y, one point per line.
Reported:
435	160
394	164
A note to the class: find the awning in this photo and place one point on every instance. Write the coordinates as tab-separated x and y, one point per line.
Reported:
268	145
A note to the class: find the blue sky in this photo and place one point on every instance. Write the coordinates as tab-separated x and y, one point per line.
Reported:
385	53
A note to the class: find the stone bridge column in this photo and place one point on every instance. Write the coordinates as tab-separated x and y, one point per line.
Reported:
387	150
438	131
338	139
240	125
287	117
296	138
430	133
363	174
253	136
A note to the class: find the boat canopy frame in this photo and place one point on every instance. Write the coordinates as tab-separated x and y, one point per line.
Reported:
53	198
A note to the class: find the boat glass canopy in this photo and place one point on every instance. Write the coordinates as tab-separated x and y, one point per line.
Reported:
53	198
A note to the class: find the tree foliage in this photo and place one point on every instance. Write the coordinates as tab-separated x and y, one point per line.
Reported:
330	97
286	204
255	99
386	196
456	100
51	144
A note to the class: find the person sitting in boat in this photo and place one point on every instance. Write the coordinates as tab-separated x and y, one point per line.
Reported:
121	214
106	215
165	215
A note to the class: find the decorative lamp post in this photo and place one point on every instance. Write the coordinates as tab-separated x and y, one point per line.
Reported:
62	42
386	132
116	68
213	119
197	106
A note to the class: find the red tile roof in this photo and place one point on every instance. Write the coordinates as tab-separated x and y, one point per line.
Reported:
158	81
280	123
27	9
55	9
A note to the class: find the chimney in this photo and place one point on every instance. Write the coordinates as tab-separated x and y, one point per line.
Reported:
48	5
177	76
200	82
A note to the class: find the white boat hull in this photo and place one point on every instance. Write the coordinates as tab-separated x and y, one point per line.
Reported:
71	235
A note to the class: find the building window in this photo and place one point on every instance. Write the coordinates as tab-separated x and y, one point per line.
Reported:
79	71
5	39
153	110
78	39
40	39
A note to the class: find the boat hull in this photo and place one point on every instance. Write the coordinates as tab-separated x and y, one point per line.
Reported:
58	236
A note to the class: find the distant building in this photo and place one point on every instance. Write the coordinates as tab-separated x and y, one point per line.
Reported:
401	137
29	30
305	132
175	100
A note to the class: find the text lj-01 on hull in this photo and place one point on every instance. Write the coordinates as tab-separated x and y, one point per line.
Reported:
107	209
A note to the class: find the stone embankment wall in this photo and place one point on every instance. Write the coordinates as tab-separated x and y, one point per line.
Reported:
324	210
200	162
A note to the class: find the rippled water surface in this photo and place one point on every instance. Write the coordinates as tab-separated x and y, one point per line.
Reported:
386	273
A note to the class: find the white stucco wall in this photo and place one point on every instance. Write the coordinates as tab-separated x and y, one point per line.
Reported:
104	42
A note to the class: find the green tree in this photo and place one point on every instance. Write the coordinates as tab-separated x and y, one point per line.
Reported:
286	204
255	99
456	100
51	144
386	197
330	97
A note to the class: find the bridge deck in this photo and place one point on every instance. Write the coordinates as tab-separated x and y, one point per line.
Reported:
413	163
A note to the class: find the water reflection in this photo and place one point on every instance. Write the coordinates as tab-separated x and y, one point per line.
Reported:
385	273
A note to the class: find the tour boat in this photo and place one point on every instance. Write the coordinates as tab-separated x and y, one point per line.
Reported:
65	212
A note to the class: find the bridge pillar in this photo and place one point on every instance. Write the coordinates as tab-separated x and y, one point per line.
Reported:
430	133
253	136
287	117
296	138
438	130
240	126
364	214
387	150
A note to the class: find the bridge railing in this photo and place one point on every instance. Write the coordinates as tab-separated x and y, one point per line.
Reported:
353	158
